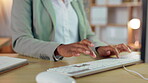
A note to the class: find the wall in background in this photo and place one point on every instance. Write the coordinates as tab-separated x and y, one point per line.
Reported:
5	17
5	22
110	19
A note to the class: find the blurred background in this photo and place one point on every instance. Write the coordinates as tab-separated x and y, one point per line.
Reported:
5	22
5	16
113	21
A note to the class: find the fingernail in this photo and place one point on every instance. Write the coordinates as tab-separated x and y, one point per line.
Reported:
87	52
94	56
130	50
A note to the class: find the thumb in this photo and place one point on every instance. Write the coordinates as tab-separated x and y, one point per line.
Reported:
108	53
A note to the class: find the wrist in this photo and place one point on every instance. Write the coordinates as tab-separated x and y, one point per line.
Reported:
57	51
97	48
57	56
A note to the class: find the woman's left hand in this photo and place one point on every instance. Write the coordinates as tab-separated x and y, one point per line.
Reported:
109	50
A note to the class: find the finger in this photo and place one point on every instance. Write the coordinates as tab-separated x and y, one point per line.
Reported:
87	52
123	48
104	51
92	53
81	46
115	50
127	48
73	53
108	53
87	42
80	50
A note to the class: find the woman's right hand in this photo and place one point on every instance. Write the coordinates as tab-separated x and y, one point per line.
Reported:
75	49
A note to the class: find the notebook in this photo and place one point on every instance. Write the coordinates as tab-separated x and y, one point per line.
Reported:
10	63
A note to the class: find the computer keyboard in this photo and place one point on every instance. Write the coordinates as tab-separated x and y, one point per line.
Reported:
87	68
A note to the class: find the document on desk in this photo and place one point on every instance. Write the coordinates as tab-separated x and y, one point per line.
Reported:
10	63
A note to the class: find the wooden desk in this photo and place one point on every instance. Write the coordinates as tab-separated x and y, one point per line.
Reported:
4	41
28	73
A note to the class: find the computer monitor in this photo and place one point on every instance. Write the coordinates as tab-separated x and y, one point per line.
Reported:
144	49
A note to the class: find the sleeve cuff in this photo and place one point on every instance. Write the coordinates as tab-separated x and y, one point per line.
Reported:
97	48
57	58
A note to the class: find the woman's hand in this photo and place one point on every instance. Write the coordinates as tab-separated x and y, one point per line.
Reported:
76	49
107	51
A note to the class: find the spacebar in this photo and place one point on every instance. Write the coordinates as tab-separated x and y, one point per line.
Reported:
78	71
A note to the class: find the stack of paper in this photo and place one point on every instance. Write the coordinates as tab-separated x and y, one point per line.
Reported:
9	63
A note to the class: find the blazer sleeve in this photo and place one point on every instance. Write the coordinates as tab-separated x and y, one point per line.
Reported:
90	34
22	36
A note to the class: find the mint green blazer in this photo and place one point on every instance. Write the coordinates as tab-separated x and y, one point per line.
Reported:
33	27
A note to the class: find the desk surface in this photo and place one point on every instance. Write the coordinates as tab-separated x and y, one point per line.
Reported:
4	41
27	74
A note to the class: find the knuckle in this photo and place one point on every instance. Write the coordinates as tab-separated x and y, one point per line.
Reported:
87	41
73	53
73	49
83	46
84	39
80	49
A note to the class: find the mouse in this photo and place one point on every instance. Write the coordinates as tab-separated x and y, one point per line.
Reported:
53	77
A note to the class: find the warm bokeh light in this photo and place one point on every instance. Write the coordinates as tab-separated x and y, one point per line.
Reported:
134	23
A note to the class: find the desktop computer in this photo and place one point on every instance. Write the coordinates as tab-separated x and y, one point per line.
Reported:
144	49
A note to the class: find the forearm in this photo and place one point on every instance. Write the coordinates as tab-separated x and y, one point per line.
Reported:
34	47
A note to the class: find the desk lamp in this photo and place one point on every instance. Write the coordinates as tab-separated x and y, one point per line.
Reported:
135	25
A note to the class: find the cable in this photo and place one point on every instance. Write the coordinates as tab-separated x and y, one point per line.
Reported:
135	73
